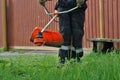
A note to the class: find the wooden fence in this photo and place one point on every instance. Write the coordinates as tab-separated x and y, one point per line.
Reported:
0	26
24	15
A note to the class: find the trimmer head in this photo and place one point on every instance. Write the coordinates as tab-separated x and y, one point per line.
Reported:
38	41
34	33
48	37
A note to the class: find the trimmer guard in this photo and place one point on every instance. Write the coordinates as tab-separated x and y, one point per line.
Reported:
49	37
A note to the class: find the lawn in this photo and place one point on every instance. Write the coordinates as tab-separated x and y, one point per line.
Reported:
94	66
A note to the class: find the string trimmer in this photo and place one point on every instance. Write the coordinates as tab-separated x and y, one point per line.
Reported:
41	36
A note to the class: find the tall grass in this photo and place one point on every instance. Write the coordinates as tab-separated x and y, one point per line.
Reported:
33	67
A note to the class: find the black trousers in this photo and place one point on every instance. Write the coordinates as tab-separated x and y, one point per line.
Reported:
71	27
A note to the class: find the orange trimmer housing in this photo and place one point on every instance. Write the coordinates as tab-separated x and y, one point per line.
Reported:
49	37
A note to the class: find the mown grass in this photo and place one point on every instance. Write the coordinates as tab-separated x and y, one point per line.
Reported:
95	66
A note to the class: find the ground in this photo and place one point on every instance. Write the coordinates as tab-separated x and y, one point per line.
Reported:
41	51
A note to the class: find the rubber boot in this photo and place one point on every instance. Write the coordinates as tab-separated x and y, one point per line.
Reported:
69	55
63	54
79	55
73	55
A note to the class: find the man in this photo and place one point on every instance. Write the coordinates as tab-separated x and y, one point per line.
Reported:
71	27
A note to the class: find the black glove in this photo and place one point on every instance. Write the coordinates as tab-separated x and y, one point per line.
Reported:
80	2
42	2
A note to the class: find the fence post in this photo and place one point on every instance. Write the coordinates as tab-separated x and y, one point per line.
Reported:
100	10
4	25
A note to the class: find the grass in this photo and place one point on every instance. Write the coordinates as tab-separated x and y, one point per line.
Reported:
1	50
95	66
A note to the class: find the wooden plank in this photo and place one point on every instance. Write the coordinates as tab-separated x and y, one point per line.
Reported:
115	18
1	35
90	19
100	46
97	19
93	18
115	21
118	3
86	30
111	28
118	18
101	18
105	17
103	40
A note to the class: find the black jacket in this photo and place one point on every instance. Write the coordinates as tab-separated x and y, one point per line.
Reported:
68	4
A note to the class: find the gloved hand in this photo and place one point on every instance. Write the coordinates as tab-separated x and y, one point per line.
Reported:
80	3
56	12
42	2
